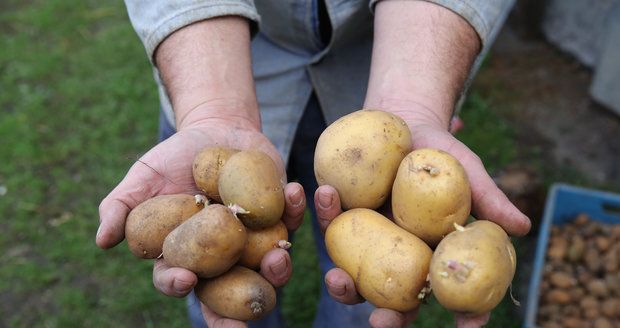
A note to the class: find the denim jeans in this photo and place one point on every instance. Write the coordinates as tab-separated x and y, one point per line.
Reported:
300	168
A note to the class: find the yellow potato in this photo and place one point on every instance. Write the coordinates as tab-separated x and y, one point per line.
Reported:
208	244
388	264
359	155
250	179
472	268
262	241
149	223
431	192
206	169
240	294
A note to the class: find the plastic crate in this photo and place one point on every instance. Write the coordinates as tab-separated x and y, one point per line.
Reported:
563	204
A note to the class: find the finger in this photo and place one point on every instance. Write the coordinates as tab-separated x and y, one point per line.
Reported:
215	320
327	205
173	281
140	183
386	318
276	267
341	287
489	202
456	124
295	200
463	321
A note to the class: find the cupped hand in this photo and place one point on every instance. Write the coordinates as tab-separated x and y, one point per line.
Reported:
488	202
166	169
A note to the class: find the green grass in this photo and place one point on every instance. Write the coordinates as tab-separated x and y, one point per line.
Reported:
78	106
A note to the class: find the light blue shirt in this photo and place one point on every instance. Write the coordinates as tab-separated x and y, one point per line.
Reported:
289	59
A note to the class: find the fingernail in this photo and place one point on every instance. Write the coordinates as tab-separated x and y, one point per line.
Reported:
325	199
181	286
296	198
98	232
335	288
279	268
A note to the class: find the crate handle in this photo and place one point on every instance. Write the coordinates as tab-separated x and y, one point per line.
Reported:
611	209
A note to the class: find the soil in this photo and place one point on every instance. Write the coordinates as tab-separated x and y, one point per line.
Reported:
544	93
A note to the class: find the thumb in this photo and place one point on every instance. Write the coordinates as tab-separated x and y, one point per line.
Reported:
140	183
488	201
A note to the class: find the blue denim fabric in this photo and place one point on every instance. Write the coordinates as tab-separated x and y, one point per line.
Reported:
300	168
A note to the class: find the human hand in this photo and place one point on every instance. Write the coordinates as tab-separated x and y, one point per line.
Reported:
488	202
166	169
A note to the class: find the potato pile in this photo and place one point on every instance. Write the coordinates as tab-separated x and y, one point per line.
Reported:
581	278
366	156
222	245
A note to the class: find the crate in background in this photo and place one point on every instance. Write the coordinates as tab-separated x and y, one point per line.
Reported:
563	204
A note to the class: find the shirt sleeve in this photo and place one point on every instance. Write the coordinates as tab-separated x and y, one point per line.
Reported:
154	20
485	16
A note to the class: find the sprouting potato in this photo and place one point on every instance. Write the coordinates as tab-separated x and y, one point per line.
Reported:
431	193
250	180
206	169
150	222
240	294
262	241
388	265
208	244
472	268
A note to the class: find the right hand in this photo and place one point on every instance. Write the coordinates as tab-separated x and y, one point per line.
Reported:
167	169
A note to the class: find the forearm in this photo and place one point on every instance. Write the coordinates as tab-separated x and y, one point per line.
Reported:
421	56
206	69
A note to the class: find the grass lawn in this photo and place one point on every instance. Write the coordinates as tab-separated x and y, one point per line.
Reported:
78	107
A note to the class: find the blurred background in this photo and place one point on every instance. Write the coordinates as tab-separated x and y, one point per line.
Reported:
78	106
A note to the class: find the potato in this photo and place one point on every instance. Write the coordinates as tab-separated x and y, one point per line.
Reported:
552	324
603	323
576	293
591	313
611	307
262	241
576	249
151	221
250	179
472	268
589	302
572	322
558	296
240	294
359	155
206	169
388	264
597	287
562	280
602	243
558	246
431	193
208	244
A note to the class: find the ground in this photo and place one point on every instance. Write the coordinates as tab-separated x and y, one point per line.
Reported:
544	94
79	107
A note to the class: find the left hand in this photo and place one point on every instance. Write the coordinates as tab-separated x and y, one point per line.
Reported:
488	202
